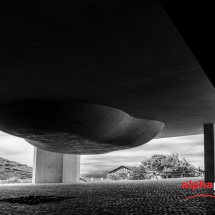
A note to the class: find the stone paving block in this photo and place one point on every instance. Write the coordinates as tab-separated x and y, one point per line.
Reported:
106	198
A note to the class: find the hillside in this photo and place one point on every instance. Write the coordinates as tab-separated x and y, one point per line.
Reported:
9	169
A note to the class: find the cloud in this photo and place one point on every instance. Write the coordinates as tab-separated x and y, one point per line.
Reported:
3	134
15	148
96	164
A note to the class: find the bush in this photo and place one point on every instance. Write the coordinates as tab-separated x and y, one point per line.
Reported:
139	173
13	180
117	176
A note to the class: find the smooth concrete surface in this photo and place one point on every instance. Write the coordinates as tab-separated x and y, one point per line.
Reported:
196	28
209	157
50	167
76	127
71	168
128	55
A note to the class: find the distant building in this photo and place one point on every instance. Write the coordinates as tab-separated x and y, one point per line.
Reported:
92	179
196	172
96	180
122	169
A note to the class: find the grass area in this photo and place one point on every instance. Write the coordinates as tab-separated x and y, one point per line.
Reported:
14	172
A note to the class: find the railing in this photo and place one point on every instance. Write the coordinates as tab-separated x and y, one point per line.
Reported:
178	174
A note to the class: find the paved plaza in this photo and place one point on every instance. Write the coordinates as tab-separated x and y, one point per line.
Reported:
130	197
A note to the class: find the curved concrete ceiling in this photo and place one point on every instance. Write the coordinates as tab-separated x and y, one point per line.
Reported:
75	127
122	54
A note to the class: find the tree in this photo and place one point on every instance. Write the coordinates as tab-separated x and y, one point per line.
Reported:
158	163
139	173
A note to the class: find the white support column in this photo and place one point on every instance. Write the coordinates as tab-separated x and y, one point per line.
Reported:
50	167
71	168
47	166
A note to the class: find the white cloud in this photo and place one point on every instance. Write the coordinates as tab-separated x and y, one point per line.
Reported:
15	148
188	147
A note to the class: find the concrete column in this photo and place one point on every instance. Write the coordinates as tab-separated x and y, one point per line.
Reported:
47	166
71	168
50	167
209	152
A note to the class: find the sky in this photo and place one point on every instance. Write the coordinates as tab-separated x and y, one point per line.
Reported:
188	147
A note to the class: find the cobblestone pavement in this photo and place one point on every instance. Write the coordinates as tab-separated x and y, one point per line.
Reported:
130	197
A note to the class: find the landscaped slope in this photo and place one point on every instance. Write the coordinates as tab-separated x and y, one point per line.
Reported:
9	169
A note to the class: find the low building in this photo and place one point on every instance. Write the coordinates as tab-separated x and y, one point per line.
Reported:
122	169
183	174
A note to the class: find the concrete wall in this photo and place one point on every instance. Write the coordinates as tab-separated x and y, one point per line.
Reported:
209	151
50	167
